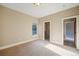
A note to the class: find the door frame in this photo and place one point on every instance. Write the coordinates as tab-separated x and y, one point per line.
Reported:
77	30
44	29
74	29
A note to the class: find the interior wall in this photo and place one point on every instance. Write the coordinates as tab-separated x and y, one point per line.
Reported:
0	26
15	26
56	26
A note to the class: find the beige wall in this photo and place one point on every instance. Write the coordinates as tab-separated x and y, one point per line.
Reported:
56	30
15	26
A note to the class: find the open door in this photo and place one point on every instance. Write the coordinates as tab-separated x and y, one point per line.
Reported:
70	32
47	31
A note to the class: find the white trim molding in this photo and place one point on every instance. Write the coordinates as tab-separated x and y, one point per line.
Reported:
15	44
77	29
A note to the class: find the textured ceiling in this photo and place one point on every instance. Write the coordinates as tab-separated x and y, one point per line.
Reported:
43	9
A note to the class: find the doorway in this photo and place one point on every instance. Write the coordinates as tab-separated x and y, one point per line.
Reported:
70	32
47	31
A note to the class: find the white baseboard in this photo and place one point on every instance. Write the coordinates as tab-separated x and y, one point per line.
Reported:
57	43
14	44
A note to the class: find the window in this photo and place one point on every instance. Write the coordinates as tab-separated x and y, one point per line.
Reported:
34	29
